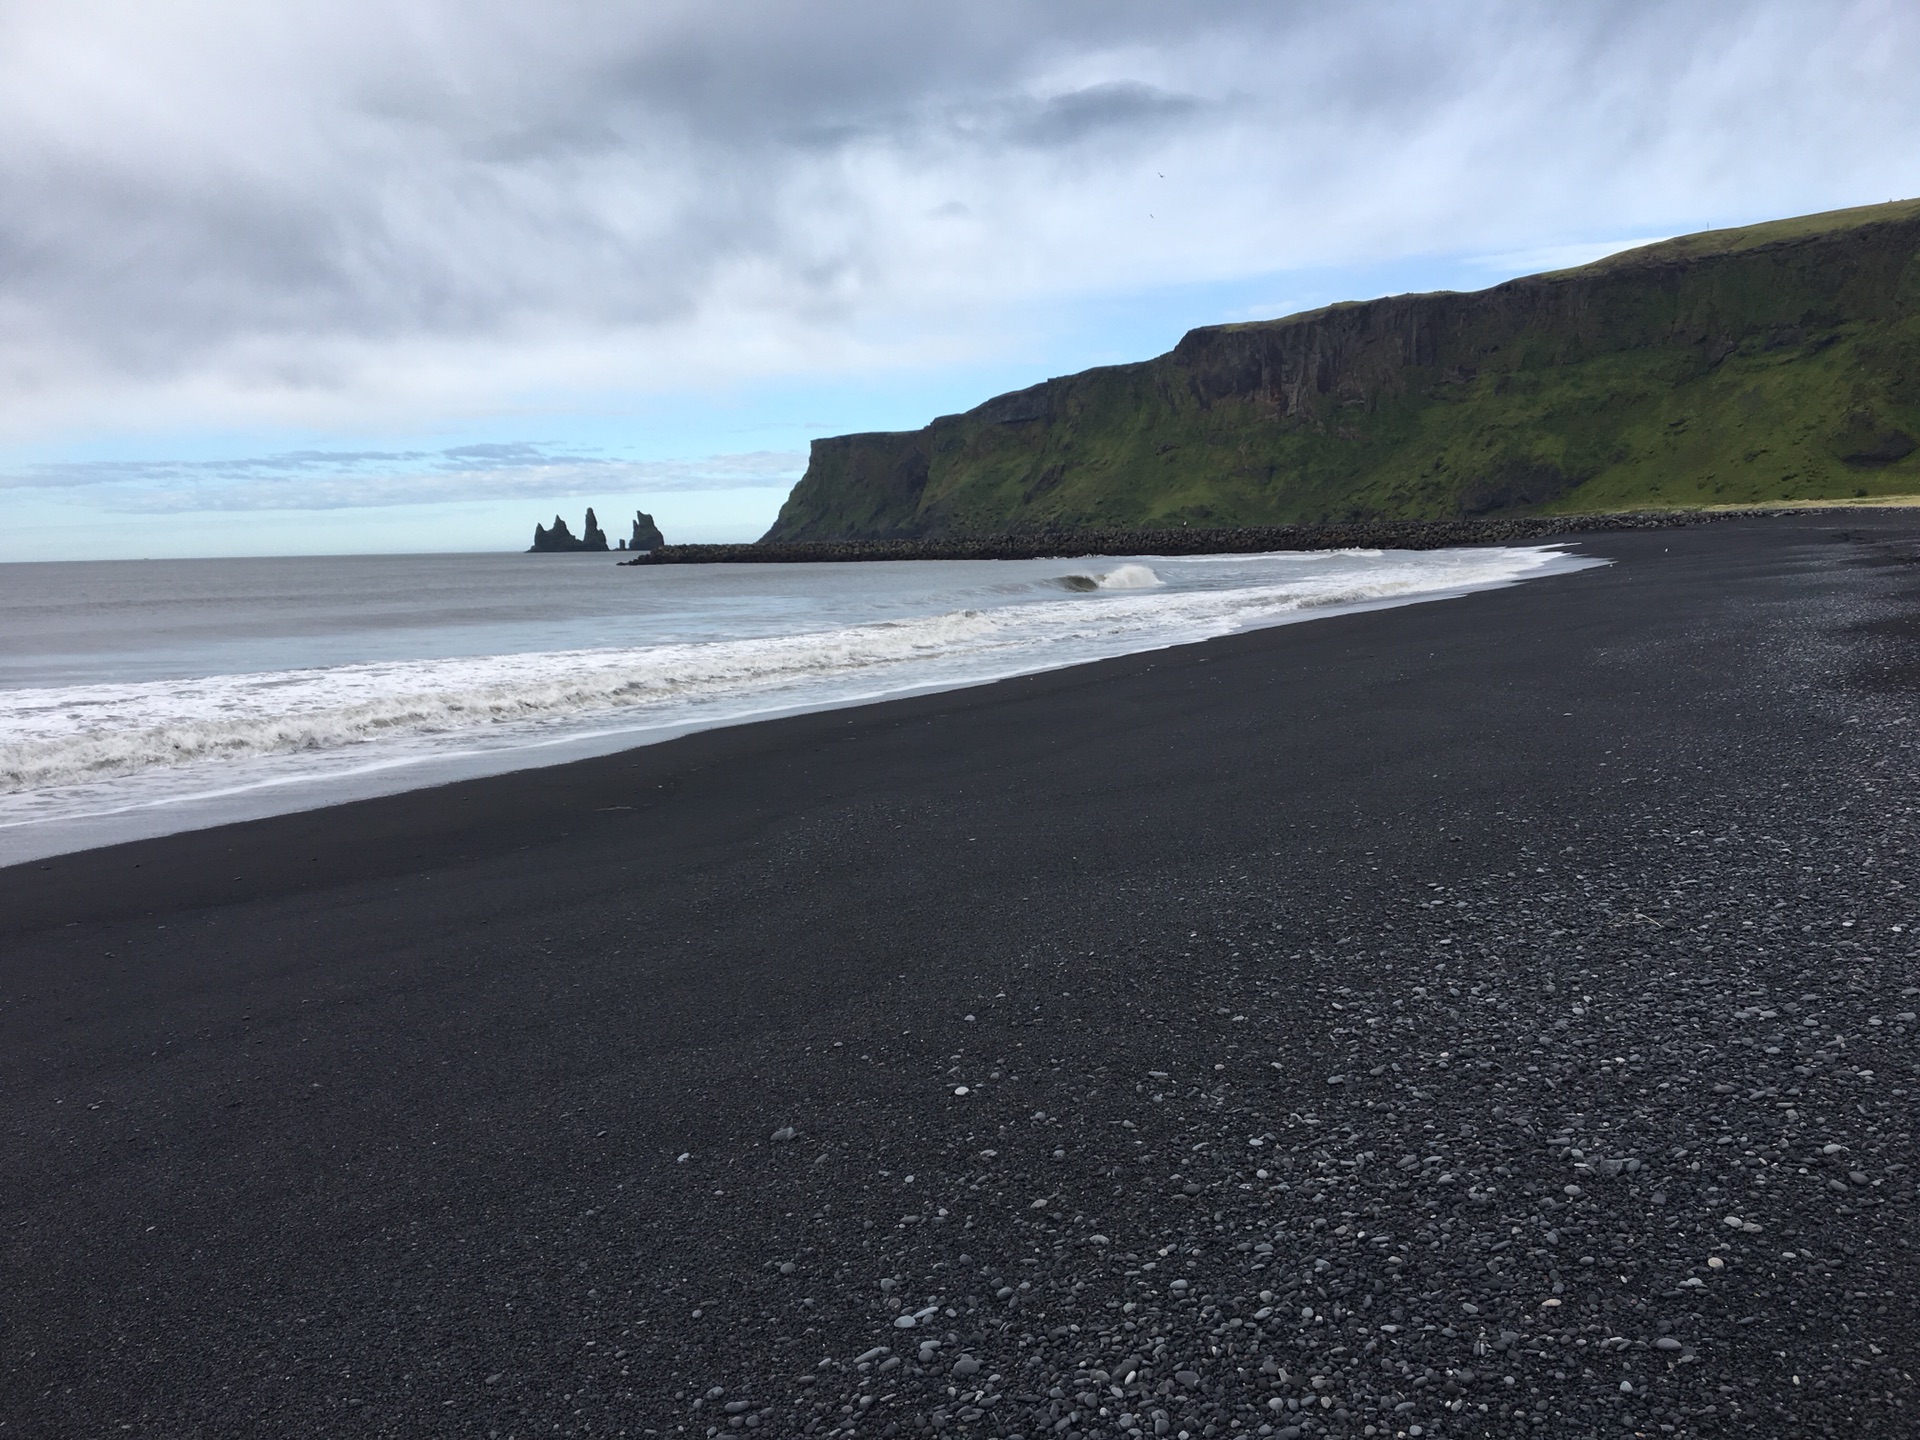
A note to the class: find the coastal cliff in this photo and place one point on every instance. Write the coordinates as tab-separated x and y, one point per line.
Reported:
1770	363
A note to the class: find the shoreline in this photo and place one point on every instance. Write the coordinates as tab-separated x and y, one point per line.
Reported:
162	800
1362	1001
1205	540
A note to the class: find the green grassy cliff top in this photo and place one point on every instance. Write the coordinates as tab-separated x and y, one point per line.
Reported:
1766	363
1749	237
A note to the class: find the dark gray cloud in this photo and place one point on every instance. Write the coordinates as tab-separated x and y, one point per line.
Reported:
1114	109
239	212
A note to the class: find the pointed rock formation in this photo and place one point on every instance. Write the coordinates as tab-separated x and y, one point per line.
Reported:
595	538
646	534
559	539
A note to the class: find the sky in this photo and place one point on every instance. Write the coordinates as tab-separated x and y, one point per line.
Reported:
410	275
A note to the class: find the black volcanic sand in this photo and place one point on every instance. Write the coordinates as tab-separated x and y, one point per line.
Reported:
1494	1017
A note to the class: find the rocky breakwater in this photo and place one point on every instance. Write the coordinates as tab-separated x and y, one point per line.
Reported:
1184	540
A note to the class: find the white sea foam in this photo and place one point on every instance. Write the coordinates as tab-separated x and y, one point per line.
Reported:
1123	577
70	750
1131	577
87	732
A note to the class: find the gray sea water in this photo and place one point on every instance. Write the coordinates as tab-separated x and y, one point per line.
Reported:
143	697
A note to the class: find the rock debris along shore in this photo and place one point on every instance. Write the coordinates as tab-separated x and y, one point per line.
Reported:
1489	1018
1592	1195
1191	540
1612	1137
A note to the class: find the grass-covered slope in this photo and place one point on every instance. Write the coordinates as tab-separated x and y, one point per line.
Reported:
1774	362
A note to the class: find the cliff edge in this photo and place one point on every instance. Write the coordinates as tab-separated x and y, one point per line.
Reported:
1772	362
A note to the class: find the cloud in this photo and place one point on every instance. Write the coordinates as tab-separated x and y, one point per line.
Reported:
1110	110
353	479
1544	258
380	211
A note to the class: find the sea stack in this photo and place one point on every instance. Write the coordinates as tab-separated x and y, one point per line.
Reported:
560	539
595	538
646	534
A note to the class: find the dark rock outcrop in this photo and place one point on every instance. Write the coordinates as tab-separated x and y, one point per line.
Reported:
560	539
1866	443
1193	539
646	534
595	538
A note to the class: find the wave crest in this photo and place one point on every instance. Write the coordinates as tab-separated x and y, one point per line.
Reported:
1121	577
315	720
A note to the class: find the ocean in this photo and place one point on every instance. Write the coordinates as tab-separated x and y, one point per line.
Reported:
139	698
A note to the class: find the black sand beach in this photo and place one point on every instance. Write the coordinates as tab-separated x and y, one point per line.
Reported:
1489	1017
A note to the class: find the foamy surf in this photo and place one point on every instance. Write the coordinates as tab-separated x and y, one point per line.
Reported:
302	735
1124	577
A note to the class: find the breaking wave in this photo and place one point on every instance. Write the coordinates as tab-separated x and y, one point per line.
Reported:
1124	577
151	742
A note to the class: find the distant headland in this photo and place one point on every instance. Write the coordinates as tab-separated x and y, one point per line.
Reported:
558	539
1767	365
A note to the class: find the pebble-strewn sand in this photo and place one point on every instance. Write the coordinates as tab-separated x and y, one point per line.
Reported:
1494	1017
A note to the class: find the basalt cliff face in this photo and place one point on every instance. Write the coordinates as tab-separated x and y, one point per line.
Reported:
1775	362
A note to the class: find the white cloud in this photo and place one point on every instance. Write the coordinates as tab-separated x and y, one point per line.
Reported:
1555	257
379	213
348	479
